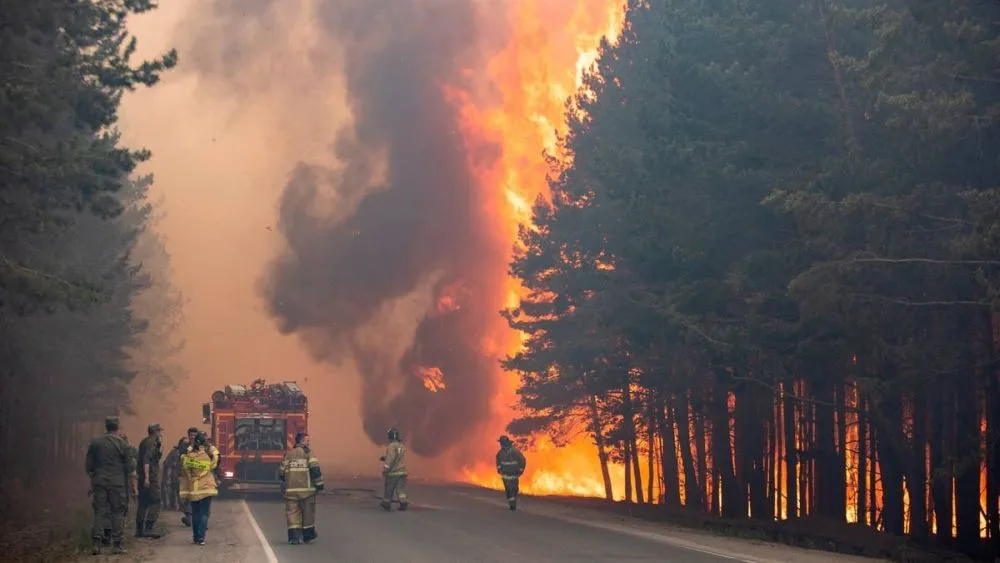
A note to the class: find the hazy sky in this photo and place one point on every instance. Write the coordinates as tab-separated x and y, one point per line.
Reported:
221	159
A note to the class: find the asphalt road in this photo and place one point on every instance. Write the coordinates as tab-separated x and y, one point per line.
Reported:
449	524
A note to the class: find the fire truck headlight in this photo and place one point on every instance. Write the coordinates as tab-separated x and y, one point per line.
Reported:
229	474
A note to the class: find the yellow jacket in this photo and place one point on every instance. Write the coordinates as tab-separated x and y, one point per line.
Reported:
197	479
301	473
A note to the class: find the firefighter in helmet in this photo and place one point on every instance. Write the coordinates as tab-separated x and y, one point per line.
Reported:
510	466
394	471
302	479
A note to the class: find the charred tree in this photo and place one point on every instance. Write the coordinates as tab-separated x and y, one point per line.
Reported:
668	453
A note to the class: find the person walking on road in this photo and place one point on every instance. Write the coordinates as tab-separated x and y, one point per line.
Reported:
111	468
148	510
198	484
302	478
172	476
186	505
394	472
510	466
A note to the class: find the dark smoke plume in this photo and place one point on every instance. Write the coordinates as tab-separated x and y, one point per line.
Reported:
409	214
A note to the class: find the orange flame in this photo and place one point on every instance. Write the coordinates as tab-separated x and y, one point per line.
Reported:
433	378
542	65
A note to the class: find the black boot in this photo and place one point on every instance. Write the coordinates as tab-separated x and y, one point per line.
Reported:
294	536
386	505
309	534
186	520
148	532
106	540
140	530
403	505
513	503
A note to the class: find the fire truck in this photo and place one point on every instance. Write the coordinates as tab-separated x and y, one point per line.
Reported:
253	427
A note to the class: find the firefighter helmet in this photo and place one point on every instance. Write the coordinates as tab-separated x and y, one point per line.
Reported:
504	441
393	435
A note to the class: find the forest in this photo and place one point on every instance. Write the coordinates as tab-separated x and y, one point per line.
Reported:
81	274
768	275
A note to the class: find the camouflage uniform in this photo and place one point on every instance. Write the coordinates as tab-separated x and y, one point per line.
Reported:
510	466
111	467
170	489
150	453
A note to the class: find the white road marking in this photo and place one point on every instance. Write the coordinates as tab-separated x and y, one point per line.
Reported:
264	544
657	537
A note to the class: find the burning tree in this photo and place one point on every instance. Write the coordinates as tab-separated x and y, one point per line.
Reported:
769	265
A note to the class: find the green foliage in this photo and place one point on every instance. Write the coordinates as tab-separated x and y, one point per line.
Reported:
72	219
768	192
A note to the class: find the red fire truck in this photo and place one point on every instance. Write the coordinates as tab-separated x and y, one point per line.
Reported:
253	427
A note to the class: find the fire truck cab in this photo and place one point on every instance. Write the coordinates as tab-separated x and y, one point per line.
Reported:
253	427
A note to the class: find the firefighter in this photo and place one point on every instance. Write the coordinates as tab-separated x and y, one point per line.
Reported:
185	504
510	466
302	478
198	484
111	468
394	471
148	510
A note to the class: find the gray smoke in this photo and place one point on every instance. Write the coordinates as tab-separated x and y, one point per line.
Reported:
408	212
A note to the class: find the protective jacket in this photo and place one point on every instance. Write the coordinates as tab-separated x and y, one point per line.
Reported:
301	473
394	464
510	462
197	479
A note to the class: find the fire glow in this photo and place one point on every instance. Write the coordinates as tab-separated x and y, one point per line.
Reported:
540	67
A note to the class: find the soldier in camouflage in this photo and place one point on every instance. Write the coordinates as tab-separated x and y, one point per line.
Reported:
150	453
111	467
171	476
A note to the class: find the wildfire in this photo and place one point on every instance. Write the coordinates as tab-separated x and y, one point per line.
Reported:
433	378
542	64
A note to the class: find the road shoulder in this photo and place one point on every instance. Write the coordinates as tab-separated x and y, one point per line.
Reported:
736	549
231	538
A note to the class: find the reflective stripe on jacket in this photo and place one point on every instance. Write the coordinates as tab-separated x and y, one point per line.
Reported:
510	462
395	460
197	479
301	473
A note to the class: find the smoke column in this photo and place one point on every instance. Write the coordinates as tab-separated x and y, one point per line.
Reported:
389	260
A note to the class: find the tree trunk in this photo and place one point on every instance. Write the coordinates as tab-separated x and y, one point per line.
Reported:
967	438
733	502
829	476
692	492
629	422
651	454
942	468
861	505
891	466
781	450
668	455
916	482
602	450
700	437
791	454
